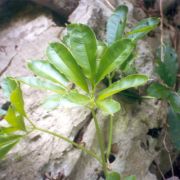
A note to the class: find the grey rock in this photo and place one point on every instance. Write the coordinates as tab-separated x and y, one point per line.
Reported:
62	7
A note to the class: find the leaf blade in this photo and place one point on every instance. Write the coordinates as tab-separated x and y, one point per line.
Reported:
45	70
15	119
174	100
130	178
167	69
113	57
63	60
82	43
41	84
8	85
113	176
116	24
6	148
158	90
109	106
142	28
17	100
123	84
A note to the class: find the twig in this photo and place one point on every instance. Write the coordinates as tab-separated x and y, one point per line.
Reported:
110	5
162	30
6	67
157	165
167	150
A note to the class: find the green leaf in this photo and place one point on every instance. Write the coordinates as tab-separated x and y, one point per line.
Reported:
130	95
8	85
6	148
158	90
101	48
17	100
7	130
63	60
174	127
77	98
174	100
128	65
46	70
116	24
143	27
109	106
15	119
113	57
167	69
71	99
82	43
130	178
42	84
113	176
14	93
5	139
125	83
66	40
52	102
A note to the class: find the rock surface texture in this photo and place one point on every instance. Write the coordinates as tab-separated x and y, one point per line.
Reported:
40	154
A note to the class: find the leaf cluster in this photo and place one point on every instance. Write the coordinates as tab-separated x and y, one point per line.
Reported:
167	71
72	72
77	62
14	130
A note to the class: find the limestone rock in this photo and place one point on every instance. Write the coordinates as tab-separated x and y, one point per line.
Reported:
62	7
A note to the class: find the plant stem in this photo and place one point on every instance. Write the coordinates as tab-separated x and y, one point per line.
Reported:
100	140
110	124
110	136
69	141
32	124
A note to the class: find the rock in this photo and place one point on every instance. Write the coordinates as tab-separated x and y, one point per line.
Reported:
40	153
63	7
24	39
173	178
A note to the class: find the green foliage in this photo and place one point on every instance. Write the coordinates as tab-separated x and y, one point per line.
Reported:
8	85
42	84
113	176
109	106
82	42
115	32
123	84
116	24
114	56
174	125
84	61
174	100
7	142
159	91
14	117
47	71
130	178
59	55
142	28
167	69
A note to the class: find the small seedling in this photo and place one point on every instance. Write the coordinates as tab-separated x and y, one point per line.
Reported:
82	60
